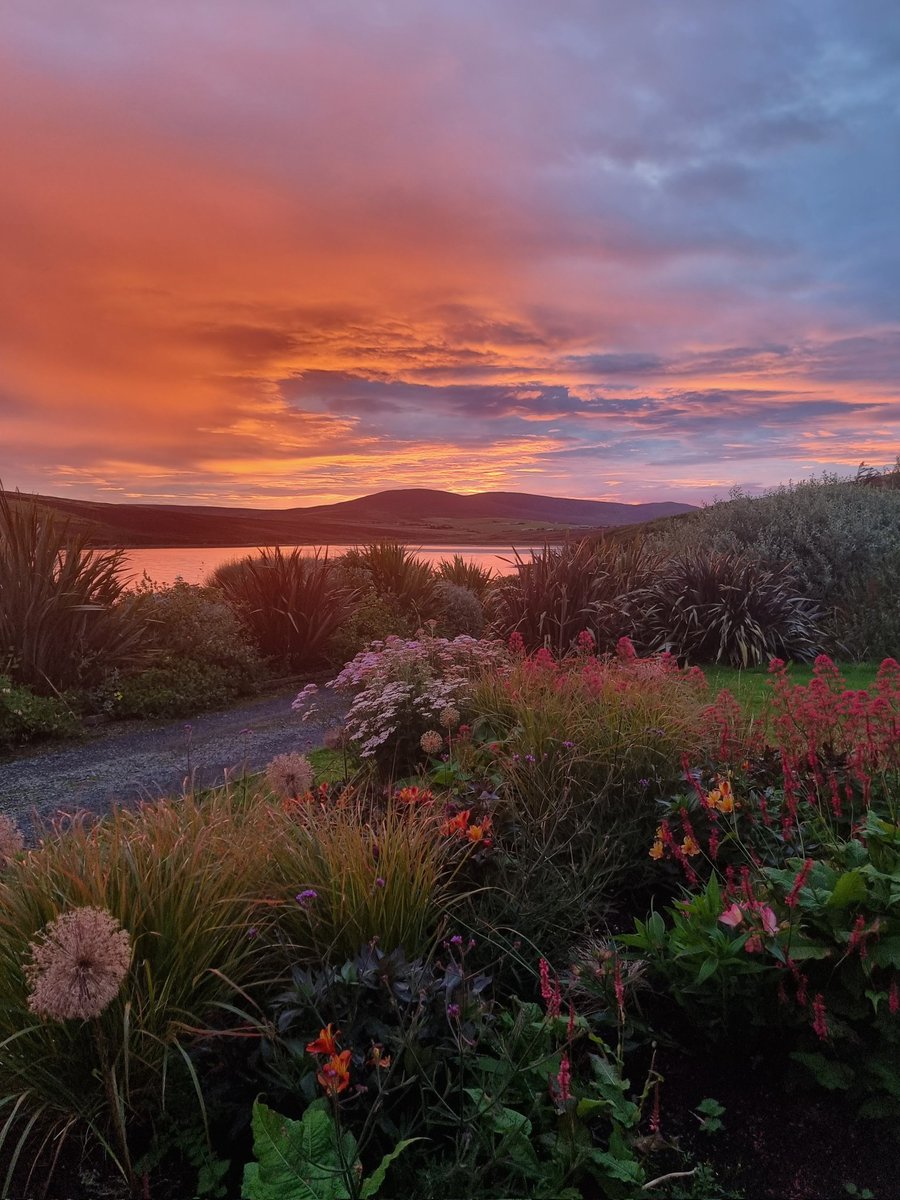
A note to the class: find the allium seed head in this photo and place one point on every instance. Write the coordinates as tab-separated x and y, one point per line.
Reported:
290	775
449	718
431	742
78	965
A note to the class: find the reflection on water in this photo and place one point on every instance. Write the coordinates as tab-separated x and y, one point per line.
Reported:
193	564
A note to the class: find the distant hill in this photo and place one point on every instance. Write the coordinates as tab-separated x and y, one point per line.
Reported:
406	514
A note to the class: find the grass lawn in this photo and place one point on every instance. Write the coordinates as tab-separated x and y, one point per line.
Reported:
752	687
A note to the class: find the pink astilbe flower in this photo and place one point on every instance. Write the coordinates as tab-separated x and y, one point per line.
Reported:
78	966
290	776
11	840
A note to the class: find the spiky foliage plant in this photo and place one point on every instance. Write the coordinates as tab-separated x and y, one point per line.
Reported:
396	574
709	607
560	591
292	604
466	573
65	620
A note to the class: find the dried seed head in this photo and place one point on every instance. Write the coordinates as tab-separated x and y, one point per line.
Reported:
78	965
290	775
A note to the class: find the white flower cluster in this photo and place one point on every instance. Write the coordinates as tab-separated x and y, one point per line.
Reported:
403	686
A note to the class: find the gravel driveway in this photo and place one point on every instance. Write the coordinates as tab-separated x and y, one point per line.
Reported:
127	760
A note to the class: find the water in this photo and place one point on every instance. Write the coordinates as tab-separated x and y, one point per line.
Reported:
193	564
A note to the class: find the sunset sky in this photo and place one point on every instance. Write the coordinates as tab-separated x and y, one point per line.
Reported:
280	252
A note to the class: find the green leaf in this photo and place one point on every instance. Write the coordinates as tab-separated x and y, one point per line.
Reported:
850	888
832	1075
372	1185
296	1160
707	968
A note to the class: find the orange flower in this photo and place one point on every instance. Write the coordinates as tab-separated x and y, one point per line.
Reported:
335	1074
713	798
480	833
657	849
325	1043
378	1058
413	795
689	847
457	824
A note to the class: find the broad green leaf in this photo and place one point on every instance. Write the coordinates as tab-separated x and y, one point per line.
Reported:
850	888
296	1160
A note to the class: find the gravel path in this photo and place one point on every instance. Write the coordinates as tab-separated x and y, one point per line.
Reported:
127	761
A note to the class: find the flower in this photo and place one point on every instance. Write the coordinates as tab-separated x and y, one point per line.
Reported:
768	918
305	898
819	1021
290	775
732	916
78	966
11	840
413	795
377	1057
657	849
449	717
335	1074
431	741
689	847
453	1011
325	1043
480	833
457	824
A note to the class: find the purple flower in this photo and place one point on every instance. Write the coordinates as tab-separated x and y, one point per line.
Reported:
305	898
644	783
379	882
569	745
456	940
529	758
453	1011
251	933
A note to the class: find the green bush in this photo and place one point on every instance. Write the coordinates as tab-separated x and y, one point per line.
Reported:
373	618
709	607
292	604
65	620
202	656
456	610
834	536
25	717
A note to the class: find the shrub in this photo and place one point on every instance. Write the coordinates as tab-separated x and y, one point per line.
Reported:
397	576
402	687
833	536
373	619
291	603
457	610
466	573
202	656
25	717
708	607
64	618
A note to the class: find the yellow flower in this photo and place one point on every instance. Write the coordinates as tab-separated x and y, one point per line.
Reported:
656	850
689	847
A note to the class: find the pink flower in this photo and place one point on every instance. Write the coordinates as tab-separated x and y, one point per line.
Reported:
733	916
768	918
819	1024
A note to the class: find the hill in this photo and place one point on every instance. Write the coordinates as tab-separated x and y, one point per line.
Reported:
406	514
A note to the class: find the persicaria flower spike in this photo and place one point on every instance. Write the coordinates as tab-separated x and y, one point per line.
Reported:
78	966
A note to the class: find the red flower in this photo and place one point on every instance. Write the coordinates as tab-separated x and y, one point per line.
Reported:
335	1074
325	1043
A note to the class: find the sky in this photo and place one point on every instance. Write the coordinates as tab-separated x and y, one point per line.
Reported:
285	252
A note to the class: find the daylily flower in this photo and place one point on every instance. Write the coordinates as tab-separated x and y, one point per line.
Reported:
335	1074
689	847
657	849
325	1043
457	824
480	833
378	1058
